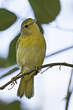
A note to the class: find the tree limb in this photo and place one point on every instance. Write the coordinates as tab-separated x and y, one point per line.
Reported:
9	72
69	92
35	70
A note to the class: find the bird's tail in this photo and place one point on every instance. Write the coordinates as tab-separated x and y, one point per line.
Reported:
26	86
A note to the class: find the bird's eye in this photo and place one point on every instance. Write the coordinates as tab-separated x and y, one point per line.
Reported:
26	26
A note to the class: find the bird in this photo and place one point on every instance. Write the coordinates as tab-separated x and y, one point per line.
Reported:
30	54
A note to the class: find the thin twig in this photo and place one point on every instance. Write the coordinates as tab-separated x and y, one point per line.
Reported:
9	72
69	92
15	78
35	70
57	64
60	51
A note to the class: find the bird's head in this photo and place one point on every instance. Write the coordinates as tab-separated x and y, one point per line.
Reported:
29	26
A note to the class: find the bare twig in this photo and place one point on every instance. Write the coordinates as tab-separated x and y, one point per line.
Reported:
9	72
69	92
60	51
57	64
35	70
16	77
64	29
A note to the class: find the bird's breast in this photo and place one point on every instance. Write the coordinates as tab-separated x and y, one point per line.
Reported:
31	51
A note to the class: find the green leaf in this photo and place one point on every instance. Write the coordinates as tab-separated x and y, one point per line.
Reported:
11	60
3	62
45	10
12	106
7	18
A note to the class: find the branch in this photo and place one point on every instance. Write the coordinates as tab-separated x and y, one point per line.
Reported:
35	70
49	55
60	51
9	72
64	28
15	78
69	92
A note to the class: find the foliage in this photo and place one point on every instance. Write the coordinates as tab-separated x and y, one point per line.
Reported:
12	106
7	18
45	11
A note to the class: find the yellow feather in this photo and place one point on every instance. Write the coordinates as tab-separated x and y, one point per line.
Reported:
31	48
26	86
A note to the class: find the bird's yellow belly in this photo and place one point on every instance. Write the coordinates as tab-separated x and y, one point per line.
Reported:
30	57
31	54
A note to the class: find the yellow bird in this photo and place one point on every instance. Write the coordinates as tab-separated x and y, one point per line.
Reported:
30	53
